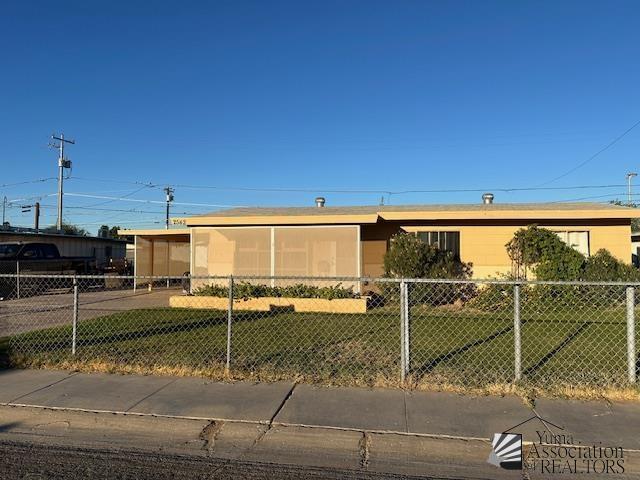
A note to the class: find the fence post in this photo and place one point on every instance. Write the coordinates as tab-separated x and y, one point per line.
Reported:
517	334
631	334
404	331
229	320
75	315
18	279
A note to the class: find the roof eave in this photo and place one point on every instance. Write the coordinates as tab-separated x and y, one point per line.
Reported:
511	215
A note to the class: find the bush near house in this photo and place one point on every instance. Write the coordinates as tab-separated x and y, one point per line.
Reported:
409	257
538	250
245	290
541	252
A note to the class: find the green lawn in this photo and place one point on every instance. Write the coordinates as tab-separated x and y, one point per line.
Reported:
459	346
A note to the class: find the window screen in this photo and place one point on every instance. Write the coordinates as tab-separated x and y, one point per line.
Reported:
448	241
231	251
295	251
316	252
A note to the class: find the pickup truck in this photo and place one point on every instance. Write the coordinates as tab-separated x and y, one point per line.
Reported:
31	258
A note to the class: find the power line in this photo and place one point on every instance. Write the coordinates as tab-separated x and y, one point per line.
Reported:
139	200
606	147
123	210
124	196
26	182
358	191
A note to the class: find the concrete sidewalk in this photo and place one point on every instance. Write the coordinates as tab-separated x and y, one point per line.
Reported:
393	431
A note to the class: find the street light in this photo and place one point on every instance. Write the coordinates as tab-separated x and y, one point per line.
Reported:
630	175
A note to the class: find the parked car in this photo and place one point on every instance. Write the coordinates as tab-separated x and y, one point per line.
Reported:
32	258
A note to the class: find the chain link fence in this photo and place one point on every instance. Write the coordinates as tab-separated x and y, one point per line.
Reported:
410	332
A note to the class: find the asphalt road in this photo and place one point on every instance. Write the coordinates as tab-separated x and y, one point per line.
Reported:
34	461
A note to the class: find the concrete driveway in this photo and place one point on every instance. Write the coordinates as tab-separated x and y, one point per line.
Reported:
43	311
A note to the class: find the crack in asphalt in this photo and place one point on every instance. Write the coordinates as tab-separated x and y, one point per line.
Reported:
364	446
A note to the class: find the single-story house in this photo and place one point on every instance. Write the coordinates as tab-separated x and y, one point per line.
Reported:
352	240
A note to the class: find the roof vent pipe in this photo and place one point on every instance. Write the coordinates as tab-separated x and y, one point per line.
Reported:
320	202
487	198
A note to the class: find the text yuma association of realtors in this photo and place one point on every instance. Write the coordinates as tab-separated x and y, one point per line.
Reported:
559	454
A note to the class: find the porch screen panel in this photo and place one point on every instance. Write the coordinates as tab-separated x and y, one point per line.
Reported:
160	257
143	259
316	252
178	258
231	251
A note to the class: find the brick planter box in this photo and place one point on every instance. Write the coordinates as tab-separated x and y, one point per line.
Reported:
265	304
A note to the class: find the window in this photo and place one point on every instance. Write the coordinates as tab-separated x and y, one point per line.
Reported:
30	252
48	251
9	250
448	241
576	240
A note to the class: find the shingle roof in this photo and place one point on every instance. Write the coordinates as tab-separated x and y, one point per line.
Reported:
374	209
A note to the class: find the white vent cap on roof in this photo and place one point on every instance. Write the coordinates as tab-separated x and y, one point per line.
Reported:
487	198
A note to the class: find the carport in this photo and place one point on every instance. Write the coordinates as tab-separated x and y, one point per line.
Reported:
160	253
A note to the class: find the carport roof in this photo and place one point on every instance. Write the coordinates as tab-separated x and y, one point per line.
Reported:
146	232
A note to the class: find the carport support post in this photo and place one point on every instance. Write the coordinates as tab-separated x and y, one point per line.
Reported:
517	334
404	331
631	334
229	319
75	315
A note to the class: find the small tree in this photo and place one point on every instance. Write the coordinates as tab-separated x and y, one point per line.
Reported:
105	232
67	229
541	251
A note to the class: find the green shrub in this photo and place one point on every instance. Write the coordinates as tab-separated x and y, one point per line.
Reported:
245	290
541	251
409	257
602	266
493	296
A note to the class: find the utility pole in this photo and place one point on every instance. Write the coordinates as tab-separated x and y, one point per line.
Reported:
169	191
62	164
630	175
36	218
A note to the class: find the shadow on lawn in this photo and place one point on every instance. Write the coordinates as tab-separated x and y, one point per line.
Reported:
567	340
169	328
429	366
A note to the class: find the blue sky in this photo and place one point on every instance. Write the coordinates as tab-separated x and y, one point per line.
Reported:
320	96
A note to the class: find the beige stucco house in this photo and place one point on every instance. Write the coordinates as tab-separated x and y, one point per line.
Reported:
351	241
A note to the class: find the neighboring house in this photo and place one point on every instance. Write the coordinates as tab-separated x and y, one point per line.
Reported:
635	248
102	249
352	241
